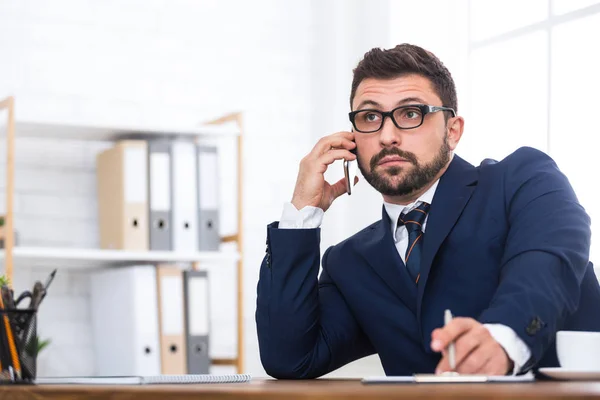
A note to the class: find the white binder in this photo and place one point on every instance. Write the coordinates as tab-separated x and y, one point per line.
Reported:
184	202
124	312
208	199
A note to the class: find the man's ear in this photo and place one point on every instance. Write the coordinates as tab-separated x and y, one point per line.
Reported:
455	129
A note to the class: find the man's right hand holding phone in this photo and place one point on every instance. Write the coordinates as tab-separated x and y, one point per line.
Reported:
311	187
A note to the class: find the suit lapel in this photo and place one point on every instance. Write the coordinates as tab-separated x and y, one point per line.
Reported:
379	250
451	196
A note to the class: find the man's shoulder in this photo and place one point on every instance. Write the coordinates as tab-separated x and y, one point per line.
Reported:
524	169
518	166
522	156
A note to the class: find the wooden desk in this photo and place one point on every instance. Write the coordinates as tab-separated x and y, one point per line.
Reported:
315	389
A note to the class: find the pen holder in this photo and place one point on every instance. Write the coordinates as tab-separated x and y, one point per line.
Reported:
18	338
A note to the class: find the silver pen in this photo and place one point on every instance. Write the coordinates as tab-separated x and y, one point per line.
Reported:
451	349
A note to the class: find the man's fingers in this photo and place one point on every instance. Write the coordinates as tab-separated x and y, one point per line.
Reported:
338	188
311	188
477	352
340	143
441	337
499	364
470	341
496	365
337	140
489	368
470	363
475	361
443	365
339	154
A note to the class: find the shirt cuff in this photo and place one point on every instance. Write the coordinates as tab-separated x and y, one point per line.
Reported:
516	349
307	218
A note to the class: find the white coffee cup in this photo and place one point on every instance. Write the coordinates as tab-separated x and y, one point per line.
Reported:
577	350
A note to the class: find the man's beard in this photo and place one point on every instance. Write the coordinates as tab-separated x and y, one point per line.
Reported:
418	177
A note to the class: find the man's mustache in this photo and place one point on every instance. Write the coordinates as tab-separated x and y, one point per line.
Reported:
393	151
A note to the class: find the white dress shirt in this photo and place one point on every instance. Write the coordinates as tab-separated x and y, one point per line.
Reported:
311	218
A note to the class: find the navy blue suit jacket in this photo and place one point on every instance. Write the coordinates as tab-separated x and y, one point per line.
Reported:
506	242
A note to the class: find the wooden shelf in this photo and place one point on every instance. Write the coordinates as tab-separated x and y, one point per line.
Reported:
224	361
227	126
111	133
74	258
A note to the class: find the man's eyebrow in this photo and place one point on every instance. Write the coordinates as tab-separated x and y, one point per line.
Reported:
411	100
368	103
401	102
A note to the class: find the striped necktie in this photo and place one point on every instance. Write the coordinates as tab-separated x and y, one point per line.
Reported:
413	221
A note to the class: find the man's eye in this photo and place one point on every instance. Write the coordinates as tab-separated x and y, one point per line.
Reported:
371	117
411	113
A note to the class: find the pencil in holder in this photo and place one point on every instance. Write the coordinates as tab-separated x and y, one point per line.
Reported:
18	345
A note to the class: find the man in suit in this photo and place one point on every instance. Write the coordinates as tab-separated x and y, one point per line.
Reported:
504	246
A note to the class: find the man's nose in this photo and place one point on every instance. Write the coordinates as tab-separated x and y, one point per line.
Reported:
389	134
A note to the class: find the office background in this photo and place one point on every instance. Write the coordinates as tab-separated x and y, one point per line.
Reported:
526	74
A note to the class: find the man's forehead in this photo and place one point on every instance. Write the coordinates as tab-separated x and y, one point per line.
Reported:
394	89
402	83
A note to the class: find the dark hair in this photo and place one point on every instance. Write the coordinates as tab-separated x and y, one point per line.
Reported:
402	60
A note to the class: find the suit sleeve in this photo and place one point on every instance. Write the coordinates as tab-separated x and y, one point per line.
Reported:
546	252
305	328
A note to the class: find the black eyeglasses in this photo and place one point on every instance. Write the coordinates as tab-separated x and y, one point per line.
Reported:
404	117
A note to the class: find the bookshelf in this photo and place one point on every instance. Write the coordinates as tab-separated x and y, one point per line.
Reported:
74	258
227	126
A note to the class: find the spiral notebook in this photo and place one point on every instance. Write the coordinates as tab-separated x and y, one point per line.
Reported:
144	380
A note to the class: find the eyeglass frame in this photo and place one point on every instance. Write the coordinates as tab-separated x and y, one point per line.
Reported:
424	108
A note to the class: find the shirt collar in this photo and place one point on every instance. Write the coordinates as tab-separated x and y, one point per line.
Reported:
395	210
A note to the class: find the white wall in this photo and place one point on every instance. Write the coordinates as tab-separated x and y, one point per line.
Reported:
156	61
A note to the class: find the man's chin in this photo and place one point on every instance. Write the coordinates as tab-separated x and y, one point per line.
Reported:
393	186
396	191
392	176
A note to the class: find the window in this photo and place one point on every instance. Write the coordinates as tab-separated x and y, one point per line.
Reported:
508	98
560	7
491	18
574	110
540	58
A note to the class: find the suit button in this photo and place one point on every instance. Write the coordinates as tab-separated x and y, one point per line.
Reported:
534	326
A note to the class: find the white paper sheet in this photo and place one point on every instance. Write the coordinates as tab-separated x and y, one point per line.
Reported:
425	378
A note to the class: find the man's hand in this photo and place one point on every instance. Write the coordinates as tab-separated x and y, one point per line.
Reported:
476	350
311	187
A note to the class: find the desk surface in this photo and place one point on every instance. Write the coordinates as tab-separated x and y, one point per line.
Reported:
312	389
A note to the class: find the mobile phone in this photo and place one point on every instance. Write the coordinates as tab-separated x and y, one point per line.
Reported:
350	169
